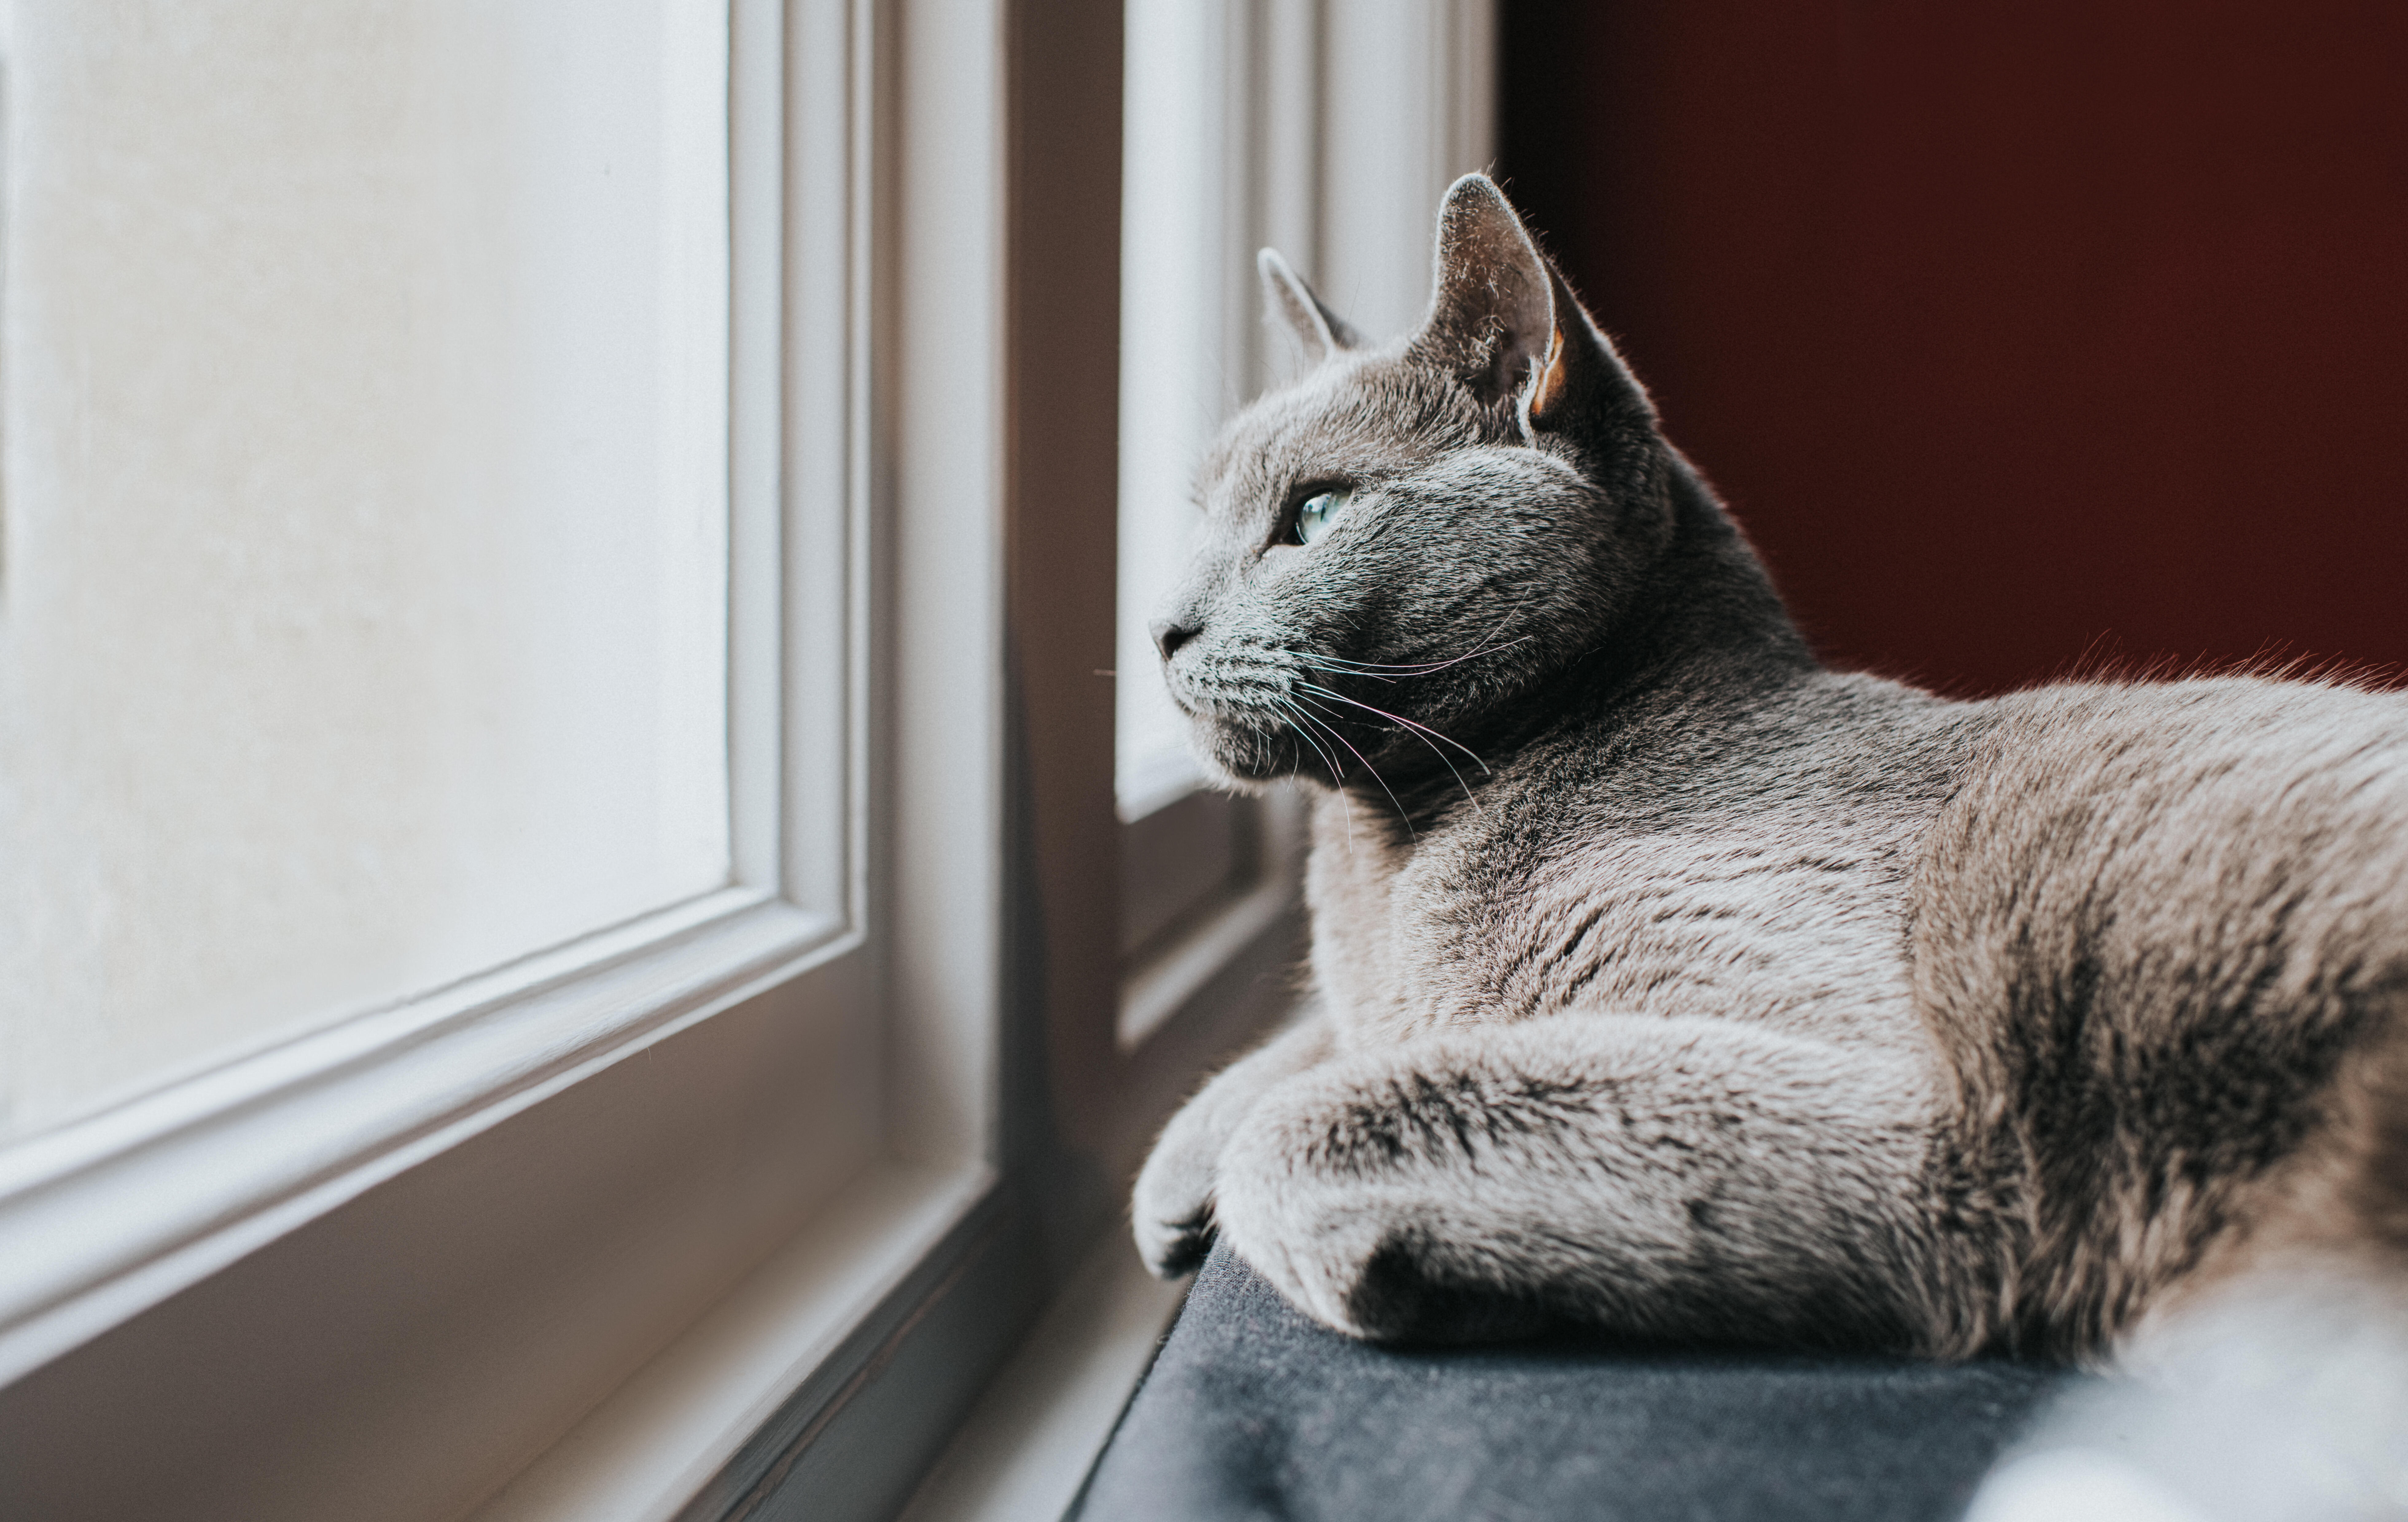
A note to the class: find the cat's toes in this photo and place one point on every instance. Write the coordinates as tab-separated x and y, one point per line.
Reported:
1366	1270
1172	1248
1171	1210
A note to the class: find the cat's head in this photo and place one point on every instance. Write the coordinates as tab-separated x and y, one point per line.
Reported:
1433	527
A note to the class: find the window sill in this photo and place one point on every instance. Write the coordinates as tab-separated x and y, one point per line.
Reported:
762	1370
1024	1452
1232	949
109	1216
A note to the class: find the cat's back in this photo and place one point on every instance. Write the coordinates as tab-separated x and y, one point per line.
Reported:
2185	829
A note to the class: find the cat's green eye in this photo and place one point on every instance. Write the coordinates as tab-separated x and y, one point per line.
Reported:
1313	514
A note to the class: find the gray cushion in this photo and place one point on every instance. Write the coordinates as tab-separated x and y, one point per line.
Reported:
1252	1412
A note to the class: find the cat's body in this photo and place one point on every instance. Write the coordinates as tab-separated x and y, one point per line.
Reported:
1731	997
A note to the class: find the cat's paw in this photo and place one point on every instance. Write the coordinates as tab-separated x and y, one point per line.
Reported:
1171	1210
1307	1196
1174	1247
1312	1237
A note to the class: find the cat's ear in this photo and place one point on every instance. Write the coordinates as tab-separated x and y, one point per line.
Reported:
1505	324
1319	331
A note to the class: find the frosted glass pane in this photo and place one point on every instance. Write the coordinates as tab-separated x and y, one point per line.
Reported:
363	614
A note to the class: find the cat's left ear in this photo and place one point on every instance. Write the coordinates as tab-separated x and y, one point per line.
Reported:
1319	331
1503	321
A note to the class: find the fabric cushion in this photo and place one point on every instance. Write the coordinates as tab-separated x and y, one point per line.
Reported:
1252	1412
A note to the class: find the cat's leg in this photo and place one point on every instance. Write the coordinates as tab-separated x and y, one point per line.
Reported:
1172	1205
2271	1384
1652	1177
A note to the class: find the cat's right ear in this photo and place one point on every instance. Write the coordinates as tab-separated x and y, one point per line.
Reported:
1505	324
1318	331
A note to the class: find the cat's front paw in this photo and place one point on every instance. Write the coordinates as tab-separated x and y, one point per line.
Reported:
1171	1210
1174	1247
1306	1195
1311	1237
1172	1243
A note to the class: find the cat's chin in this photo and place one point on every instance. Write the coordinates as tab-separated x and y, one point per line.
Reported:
1238	760
1223	781
1220	773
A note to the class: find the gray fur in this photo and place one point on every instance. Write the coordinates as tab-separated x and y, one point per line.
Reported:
1724	996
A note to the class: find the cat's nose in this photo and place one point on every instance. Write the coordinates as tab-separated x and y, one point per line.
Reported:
1168	636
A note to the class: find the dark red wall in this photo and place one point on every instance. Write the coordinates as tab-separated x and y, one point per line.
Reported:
2013	333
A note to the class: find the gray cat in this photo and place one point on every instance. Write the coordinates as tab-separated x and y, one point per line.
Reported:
1672	984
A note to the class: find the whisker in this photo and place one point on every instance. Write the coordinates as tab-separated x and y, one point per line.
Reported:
1485	647
1398	719
1467	796
1320	663
1336	774
1422	668
1289	712
1332	731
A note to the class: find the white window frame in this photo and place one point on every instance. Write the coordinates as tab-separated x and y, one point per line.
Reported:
111	1214
730	1211
841	991
1383	134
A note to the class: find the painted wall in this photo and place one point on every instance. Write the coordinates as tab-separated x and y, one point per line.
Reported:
2014	334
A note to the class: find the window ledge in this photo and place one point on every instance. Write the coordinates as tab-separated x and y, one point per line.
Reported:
662	1438
104	1217
1232	947
1025	1450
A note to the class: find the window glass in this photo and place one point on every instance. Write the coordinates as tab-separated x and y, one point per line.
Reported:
1185	363
363	620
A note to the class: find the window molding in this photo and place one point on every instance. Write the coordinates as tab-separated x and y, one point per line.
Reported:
715	1424
108	1216
539	1178
1250	926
